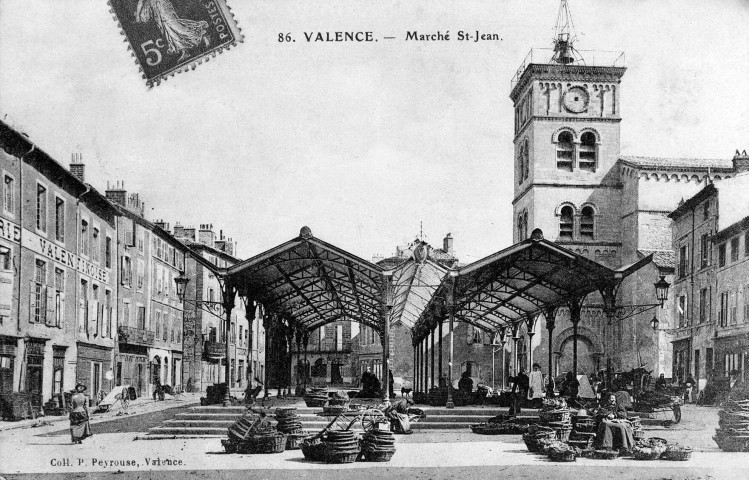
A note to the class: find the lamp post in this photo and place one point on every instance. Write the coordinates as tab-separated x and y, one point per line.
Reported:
228	292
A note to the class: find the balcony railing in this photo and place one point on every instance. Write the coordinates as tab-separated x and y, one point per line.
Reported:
590	58
135	336
214	349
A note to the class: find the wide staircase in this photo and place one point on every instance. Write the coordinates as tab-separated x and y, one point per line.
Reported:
213	421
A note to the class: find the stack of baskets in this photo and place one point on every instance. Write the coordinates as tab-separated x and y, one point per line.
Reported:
637	430
733	432
377	446
291	424
243	430
583	432
560	419
316	397
509	427
342	446
266	441
538	437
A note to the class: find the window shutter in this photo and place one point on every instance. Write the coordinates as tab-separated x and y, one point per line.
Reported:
100	318
469	334
32	304
49	309
90	318
62	311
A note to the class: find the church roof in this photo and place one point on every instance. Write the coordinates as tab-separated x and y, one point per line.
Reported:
664	162
662	258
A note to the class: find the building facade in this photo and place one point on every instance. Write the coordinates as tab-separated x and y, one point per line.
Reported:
711	312
58	277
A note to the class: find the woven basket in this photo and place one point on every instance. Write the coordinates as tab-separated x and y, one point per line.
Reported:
314	450
581	444
677	453
268	443
731	443
563	434
555	416
344	456
339	401
605	454
378	456
229	446
294	440
562	455
648	453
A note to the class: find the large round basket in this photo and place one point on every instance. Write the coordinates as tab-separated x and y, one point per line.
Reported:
314	450
605	454
378	455
343	456
275	443
648	453
339	402
731	443
555	416
677	453
294	440
562	455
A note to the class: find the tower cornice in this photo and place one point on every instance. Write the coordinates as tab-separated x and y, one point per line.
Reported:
565	73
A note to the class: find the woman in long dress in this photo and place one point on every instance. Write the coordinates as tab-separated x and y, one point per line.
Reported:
536	382
181	34
79	426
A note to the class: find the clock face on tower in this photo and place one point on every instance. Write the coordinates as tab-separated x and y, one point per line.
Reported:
576	100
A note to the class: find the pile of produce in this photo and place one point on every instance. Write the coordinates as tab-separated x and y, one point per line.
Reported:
649	449
732	434
377	446
555	414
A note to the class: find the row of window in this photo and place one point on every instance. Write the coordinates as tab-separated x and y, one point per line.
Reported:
729	313
727	251
567	219
47	302
164	328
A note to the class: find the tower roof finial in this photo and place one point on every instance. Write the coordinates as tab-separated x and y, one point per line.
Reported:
564	37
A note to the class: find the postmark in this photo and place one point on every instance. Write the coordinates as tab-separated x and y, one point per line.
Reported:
171	36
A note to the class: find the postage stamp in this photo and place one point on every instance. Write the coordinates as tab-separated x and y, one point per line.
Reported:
172	36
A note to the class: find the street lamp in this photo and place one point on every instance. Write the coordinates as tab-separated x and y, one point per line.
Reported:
661	290
181	283
654	323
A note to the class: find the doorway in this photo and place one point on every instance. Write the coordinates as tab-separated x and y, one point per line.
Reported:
335	373
34	380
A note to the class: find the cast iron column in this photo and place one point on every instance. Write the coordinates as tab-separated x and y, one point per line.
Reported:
549	314
575	306
439	340
531	324
515	338
228	305
451	319
432	377
386	305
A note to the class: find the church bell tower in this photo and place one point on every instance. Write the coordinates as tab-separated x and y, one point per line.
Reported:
566	142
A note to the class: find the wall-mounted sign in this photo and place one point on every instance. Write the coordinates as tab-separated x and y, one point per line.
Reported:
10	231
42	246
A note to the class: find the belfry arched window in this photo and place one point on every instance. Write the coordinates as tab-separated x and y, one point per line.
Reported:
566	223
587	223
588	154
522	225
565	151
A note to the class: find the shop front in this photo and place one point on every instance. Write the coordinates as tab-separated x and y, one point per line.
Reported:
94	362
681	360
732	355
132	368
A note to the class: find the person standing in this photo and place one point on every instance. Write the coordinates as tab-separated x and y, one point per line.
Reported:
79	418
688	387
520	386
536	384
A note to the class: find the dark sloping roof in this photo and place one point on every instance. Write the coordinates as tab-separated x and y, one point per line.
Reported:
661	258
664	162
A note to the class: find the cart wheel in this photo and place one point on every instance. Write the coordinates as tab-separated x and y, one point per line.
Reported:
371	419
677	413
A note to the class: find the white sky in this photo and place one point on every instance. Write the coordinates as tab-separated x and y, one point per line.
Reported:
360	142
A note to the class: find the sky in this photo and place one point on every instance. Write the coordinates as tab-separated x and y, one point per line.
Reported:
363	143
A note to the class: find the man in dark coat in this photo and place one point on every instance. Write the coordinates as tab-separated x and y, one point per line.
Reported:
520	386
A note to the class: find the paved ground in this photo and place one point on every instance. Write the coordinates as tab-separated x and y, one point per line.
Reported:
446	454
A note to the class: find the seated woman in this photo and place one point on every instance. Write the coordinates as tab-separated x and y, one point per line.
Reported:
613	432
397	413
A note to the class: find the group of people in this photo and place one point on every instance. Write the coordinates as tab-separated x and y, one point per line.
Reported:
535	387
370	385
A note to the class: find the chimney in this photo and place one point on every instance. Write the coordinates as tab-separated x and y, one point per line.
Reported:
189	233
206	236
741	162
117	195
447	244
77	167
179	230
